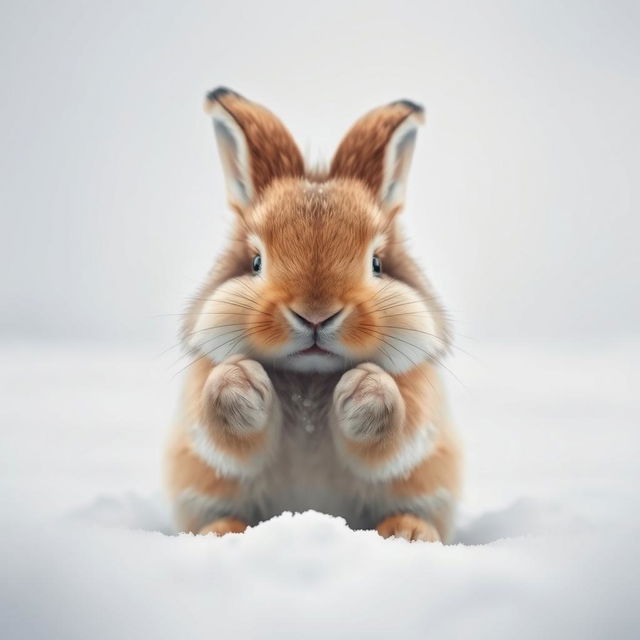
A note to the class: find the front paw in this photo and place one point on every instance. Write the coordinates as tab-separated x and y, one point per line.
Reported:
239	395
367	403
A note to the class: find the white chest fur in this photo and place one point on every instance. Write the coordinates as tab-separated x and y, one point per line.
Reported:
307	473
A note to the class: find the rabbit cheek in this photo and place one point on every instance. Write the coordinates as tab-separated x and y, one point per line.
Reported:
397	332
358	334
361	344
268	331
268	339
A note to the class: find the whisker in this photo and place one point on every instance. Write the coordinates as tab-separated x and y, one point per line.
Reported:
378	292
235	304
221	313
416	366
171	348
415	313
389	298
244	296
442	364
177	373
415	346
427	353
446	343
258	327
246	286
390	326
402	353
222	326
432	335
400	304
206	343
208	350
386	354
235	342
426	333
250	307
224	333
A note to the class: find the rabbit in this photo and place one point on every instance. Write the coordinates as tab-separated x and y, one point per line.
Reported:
315	342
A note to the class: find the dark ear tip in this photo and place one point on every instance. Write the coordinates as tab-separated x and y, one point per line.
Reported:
416	108
220	92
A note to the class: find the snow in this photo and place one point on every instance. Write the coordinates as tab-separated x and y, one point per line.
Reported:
547	542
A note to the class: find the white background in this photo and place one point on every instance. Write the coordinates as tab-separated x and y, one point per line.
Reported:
523	199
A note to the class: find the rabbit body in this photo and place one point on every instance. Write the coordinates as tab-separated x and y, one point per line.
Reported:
315	382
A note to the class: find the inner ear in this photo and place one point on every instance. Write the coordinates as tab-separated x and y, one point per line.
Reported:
234	155
396	165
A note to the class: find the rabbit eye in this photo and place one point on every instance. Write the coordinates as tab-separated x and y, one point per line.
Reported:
376	265
256	264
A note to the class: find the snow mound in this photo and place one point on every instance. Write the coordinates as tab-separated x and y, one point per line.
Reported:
309	576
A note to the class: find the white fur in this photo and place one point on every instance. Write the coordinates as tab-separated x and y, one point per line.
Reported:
409	349
413	450
397	159
411	340
234	154
223	463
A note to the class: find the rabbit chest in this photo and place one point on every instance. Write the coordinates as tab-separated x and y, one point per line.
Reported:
306	471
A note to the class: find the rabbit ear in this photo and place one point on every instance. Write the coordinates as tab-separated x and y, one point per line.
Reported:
255	147
378	150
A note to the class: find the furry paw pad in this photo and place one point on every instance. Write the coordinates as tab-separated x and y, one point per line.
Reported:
367	402
239	394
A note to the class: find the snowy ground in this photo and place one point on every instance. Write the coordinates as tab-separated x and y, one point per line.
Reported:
547	545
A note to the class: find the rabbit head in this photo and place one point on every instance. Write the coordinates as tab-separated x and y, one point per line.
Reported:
316	277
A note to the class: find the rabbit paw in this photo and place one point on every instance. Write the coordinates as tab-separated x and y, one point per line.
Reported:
239	395
409	527
223	526
367	403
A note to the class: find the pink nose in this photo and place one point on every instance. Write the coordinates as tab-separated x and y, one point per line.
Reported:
315	320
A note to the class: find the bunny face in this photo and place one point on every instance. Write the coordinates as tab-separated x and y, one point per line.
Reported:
316	278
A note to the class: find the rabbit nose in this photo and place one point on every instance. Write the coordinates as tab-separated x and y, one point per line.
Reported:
315	320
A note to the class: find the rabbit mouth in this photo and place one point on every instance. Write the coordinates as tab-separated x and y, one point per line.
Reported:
314	349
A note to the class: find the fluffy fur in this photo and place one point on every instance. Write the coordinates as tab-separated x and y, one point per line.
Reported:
315	380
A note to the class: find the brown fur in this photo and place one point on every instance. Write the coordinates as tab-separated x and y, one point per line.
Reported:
274	153
441	469
185	469
315	233
223	526
361	152
419	390
409	527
